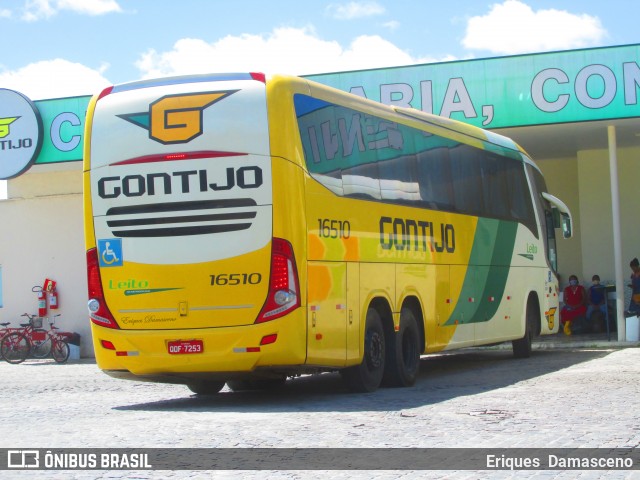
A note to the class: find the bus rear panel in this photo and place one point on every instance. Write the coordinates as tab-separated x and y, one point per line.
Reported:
180	184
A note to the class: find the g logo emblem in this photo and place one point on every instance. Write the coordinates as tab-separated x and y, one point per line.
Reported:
176	118
4	125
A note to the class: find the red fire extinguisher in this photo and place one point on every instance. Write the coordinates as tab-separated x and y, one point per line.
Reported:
42	300
49	287
53	299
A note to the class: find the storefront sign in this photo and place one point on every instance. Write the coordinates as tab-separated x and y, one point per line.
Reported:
544	88
20	133
63	120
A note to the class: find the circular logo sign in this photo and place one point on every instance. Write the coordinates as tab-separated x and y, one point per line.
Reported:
20	133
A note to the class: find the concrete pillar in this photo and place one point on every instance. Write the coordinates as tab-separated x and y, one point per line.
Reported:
617	236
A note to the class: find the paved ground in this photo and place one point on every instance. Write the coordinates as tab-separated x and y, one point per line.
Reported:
585	394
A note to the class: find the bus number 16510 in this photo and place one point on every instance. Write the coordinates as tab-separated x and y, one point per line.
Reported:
328	228
232	279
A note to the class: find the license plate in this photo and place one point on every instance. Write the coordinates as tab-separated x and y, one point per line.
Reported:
182	347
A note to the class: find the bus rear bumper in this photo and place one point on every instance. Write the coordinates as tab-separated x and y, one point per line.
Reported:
225	351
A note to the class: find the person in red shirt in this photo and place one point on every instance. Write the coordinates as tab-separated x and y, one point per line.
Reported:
575	300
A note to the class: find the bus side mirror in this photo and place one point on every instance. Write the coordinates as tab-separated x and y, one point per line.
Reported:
560	214
562	220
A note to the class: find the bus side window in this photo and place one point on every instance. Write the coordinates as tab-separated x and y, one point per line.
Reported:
466	180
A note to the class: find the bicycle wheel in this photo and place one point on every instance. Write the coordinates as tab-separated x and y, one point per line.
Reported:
40	343
60	351
15	347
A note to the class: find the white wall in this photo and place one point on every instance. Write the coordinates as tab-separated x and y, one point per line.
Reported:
42	237
595	206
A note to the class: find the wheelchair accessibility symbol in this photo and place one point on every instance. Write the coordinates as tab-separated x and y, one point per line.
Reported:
110	252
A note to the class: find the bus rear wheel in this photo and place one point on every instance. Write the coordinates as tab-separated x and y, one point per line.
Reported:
522	346
206	387
403	358
367	376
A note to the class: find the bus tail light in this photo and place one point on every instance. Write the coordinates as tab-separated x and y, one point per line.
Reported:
284	288
259	76
98	310
105	92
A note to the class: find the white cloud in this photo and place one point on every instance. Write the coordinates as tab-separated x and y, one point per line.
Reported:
285	50
391	25
41	9
90	7
351	10
4	13
55	78
37	9
514	27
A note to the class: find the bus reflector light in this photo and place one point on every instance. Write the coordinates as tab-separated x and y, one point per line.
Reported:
107	344
246	349
127	354
269	339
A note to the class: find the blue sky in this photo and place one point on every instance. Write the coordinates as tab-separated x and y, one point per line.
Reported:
57	48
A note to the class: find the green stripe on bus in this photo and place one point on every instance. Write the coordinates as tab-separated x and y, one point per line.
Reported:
483	286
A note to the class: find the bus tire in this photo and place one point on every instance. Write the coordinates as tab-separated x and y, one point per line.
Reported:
206	387
522	347
403	355
367	376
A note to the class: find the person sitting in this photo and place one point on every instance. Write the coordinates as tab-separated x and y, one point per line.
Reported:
597	302
575	299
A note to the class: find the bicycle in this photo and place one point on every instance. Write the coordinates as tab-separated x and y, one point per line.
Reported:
29	339
59	347
4	331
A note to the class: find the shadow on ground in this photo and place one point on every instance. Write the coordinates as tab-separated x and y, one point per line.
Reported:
442	377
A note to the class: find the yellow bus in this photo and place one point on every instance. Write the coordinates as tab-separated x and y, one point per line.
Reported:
244	229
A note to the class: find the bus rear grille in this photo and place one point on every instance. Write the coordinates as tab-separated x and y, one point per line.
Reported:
176	219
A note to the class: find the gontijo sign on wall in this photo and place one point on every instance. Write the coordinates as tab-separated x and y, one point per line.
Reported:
20	133
525	90
46	131
544	88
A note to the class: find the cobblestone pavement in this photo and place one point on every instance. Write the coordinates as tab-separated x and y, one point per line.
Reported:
563	397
